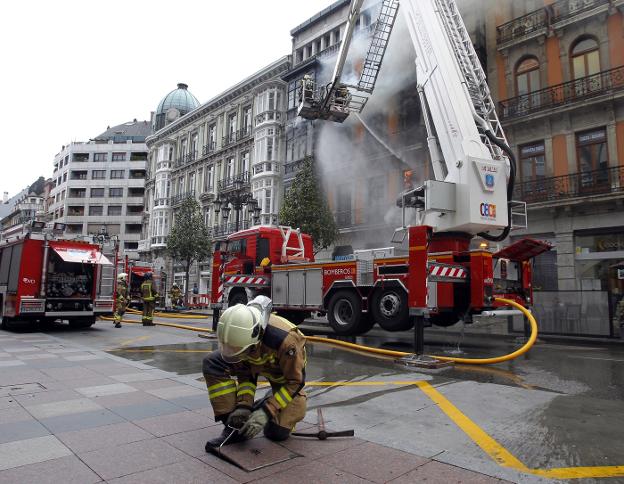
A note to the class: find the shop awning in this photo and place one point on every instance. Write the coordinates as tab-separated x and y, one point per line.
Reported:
83	255
523	249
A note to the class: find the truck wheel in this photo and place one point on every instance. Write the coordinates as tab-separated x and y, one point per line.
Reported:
389	309
239	297
5	323
344	313
81	323
443	320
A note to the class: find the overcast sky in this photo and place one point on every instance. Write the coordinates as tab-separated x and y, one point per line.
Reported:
70	68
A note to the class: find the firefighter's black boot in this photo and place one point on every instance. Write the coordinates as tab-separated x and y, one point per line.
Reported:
213	444
117	325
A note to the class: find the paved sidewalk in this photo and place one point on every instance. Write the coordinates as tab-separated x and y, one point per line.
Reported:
71	414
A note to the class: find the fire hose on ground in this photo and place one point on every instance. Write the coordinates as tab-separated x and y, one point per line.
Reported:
397	354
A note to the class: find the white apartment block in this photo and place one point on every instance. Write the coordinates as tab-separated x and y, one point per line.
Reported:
99	185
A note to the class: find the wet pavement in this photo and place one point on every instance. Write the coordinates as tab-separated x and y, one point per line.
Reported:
560	406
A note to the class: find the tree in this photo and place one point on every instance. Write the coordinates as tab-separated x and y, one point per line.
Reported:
305	206
189	239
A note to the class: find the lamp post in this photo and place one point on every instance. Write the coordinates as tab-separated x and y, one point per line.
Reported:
237	199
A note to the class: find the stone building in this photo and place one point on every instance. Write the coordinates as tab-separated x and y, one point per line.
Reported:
229	149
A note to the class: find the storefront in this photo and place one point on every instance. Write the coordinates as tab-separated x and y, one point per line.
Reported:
599	269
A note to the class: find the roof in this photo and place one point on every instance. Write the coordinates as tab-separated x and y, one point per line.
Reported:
7	208
134	130
315	18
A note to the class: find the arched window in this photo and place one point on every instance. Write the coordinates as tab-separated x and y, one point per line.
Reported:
527	76
585	57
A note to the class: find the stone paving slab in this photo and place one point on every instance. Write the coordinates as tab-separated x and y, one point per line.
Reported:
188	471
174	423
24	429
125	459
105	390
62	407
88	440
63	470
31	451
78	421
152	409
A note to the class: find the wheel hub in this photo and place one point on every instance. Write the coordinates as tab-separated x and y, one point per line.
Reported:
389	304
343	312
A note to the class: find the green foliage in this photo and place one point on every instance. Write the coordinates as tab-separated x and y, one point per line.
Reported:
305	207
189	239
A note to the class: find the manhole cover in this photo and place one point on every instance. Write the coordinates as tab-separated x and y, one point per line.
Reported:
21	388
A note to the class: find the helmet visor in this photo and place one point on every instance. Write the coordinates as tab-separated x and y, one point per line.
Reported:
232	354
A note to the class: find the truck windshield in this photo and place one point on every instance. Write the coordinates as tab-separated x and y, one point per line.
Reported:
68	279
237	247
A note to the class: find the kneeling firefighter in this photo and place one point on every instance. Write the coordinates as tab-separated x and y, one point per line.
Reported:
253	342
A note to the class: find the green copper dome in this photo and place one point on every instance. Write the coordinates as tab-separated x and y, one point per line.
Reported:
175	104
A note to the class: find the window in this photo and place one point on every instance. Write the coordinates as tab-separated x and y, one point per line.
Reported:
585	58
212	137
593	162
138	156
64	177
117	174
79	157
194	145
191	182
96	210
232	119
528	78
269	154
532	162
229	173
114	210
115	192
97	192
98	174
100	157
208	184
247	120
119	157
244	165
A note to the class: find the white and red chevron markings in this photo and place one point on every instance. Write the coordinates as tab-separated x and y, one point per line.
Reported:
447	271
256	281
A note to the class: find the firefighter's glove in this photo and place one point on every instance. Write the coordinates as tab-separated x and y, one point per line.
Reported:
255	423
238	418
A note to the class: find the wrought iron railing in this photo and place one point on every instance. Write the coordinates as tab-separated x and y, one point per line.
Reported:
521	26
209	148
182	196
565	9
545	18
223	230
236	136
588	183
234	182
604	82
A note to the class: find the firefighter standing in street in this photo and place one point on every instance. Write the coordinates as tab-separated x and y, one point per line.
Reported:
149	295
121	294
253	342
176	295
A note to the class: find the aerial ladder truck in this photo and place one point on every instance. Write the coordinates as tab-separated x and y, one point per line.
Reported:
441	280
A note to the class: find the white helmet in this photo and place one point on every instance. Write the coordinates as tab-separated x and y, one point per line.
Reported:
122	276
239	329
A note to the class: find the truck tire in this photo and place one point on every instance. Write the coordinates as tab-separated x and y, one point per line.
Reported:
81	323
344	313
389	309
239	297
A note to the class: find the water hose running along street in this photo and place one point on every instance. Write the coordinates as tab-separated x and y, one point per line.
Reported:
399	354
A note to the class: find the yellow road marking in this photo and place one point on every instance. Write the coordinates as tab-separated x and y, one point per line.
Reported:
501	455
134	340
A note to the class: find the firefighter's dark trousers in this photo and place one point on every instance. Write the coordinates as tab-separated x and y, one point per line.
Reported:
148	312
120	310
221	380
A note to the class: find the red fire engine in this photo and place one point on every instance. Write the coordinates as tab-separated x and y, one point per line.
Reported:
377	286
136	276
44	279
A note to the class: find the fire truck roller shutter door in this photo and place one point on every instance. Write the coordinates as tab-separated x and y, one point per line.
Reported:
345	315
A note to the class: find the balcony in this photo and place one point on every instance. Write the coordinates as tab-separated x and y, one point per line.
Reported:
177	199
542	21
207	195
551	190
566	94
268	116
236	136
209	148
530	25
223	230
235	182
